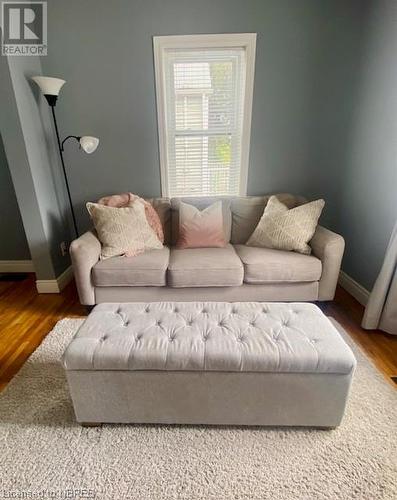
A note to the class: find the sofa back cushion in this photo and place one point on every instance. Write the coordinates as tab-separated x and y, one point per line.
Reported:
241	214
201	203
246	213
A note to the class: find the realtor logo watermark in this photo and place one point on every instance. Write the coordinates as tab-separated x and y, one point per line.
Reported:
24	29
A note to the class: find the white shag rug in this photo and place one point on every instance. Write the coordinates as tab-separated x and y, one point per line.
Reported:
44	452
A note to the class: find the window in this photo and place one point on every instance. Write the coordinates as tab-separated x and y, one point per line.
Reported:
204	86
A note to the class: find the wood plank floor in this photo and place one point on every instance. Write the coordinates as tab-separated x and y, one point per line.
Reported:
379	346
26	317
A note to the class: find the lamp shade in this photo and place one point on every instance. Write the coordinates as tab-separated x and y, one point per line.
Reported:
49	85
88	143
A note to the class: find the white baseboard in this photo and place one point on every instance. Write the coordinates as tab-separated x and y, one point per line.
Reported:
16	266
65	278
360	293
56	285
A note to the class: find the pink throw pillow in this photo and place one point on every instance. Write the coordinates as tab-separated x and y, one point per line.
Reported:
198	229
127	200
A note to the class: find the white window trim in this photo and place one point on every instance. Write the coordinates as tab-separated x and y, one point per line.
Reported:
245	40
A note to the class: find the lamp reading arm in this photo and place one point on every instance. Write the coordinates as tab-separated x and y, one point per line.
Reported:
69	137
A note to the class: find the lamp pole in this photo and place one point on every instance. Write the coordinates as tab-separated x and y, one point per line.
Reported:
50	88
64	169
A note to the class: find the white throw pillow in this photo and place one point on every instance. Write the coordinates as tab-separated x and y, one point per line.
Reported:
123	231
287	229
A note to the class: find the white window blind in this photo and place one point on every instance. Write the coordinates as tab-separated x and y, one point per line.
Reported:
203	116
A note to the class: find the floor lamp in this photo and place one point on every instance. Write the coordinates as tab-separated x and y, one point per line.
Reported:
50	88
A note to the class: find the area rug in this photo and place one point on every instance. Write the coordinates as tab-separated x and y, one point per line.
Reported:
45	454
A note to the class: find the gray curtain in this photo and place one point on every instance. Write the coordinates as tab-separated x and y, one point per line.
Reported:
381	310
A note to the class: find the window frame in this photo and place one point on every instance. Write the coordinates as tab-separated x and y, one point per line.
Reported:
247	41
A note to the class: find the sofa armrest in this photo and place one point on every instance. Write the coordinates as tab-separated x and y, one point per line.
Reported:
85	252
328	247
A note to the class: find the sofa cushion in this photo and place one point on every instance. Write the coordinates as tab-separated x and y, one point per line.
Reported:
265	265
201	203
197	267
246	213
147	269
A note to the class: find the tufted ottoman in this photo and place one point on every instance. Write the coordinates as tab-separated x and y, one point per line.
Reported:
242	363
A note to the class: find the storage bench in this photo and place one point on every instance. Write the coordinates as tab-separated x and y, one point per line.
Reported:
245	363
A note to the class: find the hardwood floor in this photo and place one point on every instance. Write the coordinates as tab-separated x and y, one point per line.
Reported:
26	317
379	346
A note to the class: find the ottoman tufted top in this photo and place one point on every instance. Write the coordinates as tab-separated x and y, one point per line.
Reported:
216	336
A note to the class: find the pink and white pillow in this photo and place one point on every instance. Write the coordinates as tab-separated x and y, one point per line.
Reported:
200	228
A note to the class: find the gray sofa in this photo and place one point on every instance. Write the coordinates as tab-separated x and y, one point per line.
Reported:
232	274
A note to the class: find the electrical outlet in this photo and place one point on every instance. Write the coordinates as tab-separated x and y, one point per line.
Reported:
64	248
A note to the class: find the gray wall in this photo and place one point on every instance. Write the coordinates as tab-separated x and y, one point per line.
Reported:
323	87
13	244
40	146
28	139
108	65
368	200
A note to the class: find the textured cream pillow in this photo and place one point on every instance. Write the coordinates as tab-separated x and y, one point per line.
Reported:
123	231
287	229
